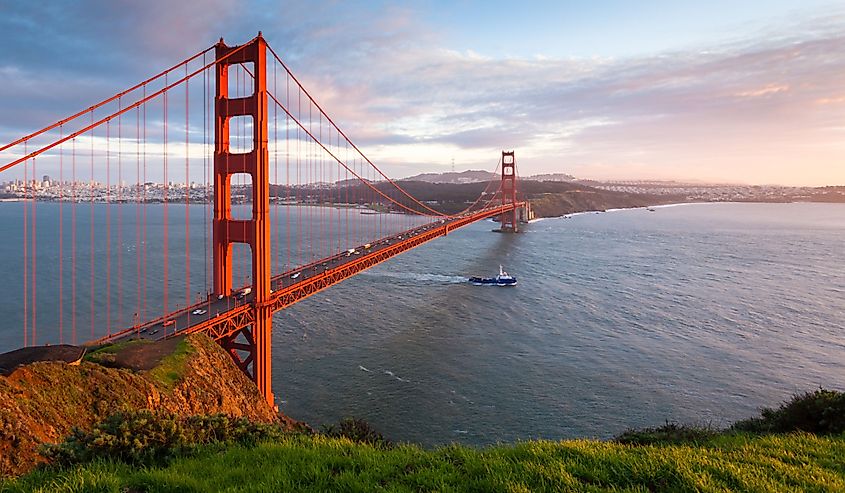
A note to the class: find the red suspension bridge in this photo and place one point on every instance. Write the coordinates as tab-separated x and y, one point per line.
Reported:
205	199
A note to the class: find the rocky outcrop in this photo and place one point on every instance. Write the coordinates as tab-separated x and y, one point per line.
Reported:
41	402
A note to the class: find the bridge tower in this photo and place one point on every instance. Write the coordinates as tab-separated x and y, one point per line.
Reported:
509	223
250	346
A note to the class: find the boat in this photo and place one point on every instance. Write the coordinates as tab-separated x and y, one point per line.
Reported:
503	279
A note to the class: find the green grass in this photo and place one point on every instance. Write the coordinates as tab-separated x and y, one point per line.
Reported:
94	355
166	373
170	369
728	462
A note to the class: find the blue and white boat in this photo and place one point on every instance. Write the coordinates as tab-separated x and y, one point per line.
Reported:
503	279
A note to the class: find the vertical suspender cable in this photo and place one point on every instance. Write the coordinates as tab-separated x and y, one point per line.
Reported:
34	258
319	178
108	228
73	243
61	240
346	191
287	172
205	173
120	207
144	210
187	193
312	244
166	219
330	193
25	250
91	229
276	225
299	182
136	196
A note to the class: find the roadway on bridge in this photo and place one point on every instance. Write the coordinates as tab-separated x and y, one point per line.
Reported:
181	320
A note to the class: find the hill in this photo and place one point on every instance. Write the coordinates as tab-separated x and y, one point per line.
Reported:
548	198
469	176
43	401
180	447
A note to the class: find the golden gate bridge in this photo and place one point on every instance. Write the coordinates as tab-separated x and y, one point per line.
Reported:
227	128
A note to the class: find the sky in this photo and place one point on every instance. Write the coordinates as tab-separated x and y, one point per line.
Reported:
721	91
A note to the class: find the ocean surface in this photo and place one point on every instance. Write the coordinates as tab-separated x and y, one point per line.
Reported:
694	313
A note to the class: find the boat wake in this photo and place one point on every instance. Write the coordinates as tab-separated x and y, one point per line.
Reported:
418	278
385	372
388	372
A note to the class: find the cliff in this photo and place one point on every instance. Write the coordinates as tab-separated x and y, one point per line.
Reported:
42	401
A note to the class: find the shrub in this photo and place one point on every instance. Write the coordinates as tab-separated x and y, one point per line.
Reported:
357	430
821	412
145	437
670	433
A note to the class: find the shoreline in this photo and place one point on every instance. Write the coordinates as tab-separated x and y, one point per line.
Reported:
665	206
620	209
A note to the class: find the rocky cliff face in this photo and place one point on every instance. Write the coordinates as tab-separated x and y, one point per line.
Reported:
42	402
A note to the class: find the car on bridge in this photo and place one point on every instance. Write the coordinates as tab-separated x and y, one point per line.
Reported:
199	311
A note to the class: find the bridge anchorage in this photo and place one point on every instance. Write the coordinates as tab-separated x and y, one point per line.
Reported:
333	212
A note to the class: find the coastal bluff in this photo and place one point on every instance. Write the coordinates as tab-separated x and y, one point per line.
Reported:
42	401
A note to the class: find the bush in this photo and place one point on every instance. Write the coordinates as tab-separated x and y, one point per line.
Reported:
145	437
670	433
357	430
821	412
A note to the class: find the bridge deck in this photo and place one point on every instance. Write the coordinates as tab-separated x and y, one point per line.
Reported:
219	317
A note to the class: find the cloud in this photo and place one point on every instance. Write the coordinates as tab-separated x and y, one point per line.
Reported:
77	37
729	113
764	91
726	111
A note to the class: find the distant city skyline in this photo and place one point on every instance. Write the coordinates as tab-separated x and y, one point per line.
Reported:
613	90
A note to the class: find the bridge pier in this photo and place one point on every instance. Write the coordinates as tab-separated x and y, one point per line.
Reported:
250	346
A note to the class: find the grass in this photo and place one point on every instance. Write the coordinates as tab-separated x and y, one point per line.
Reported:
670	433
170	369
166	373
799	446
107	351
728	462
